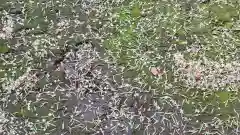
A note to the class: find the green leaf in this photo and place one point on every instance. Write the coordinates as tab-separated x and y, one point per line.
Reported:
3	47
223	95
182	42
188	108
229	25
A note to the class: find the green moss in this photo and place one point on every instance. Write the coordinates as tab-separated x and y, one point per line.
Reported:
224	12
136	11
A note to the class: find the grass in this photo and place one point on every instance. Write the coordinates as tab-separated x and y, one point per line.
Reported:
136	35
147	34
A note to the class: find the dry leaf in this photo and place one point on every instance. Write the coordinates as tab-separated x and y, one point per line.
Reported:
198	75
156	71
